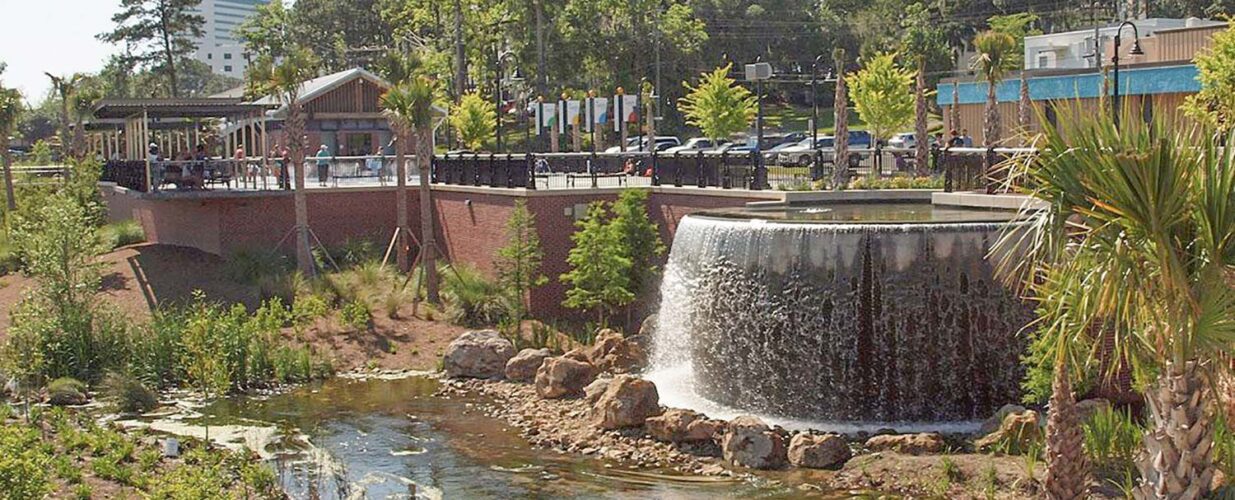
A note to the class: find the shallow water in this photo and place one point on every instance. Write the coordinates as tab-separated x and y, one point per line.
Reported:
349	438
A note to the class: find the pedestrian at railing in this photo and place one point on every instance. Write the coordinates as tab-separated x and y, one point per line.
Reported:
323	165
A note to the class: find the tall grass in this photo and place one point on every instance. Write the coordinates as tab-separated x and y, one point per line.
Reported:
119	234
472	300
1113	442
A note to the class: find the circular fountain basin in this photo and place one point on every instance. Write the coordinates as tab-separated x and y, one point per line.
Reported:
869	313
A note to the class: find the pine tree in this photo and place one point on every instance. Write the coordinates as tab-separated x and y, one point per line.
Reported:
168	27
518	263
639	238
599	276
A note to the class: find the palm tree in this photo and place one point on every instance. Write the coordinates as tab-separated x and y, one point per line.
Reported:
284	79
1139	237
994	59
10	111
840	160
409	107
65	88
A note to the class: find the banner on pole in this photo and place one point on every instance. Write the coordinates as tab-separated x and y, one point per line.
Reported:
598	111
546	117
629	112
572	114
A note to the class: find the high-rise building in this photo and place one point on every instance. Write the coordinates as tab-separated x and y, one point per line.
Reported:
219	47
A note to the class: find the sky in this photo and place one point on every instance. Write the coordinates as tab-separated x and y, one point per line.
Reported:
55	36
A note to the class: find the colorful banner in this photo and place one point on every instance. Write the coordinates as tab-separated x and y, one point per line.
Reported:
598	112
546	117
629	110
573	117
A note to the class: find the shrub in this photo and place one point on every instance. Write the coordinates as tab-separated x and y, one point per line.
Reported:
251	266
308	307
356	315
1112	442
394	300
119	234
352	253
66	391
128	393
897	182
471	300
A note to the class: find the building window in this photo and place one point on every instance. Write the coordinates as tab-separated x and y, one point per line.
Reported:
227	69
209	56
227	56
1044	60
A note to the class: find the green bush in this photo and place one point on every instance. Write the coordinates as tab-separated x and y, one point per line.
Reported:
1113	441
356	315
308	307
352	253
119	234
471	300
897	182
251	266
129	394
66	391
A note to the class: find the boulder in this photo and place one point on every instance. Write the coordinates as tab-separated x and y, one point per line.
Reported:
561	377
578	354
911	444
615	354
626	402
478	354
683	426
1018	433
748	442
594	390
523	366
647	329
1086	408
992	424
815	451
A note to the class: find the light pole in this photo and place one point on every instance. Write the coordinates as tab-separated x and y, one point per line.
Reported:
1136	51
814	102
758	72
497	93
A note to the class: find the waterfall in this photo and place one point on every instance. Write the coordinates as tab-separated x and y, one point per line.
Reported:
837	322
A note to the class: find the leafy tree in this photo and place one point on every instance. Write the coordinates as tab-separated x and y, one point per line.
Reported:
165	29
639	237
599	276
880	93
1215	103
269	31
1136	243
409	107
518	263
718	105
1018	26
996	56
474	120
11	108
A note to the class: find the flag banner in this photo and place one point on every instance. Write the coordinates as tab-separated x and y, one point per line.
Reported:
629	112
600	111
546	117
573	118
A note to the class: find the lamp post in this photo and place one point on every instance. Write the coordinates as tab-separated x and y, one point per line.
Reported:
759	71
814	102
1136	51
497	93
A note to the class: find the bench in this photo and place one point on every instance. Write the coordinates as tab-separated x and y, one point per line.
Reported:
570	177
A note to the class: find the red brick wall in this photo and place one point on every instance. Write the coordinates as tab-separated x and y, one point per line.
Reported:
470	226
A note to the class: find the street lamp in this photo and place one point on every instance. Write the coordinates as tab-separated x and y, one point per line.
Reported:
1136	51
814	99
758	72
497	92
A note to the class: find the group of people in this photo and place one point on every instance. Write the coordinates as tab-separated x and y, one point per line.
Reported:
191	169
187	170
955	139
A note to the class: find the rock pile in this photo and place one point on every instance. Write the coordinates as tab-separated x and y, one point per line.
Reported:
683	426
626	402
563	377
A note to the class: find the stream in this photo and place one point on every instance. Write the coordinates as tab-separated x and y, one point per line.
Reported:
392	438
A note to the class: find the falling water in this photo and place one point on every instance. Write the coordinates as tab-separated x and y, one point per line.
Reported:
838	322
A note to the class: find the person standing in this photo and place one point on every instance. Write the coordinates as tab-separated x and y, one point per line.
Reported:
285	160
966	140
323	165
955	140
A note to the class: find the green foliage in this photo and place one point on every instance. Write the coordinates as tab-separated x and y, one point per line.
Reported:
518	263
996	56
1215	103
207	474
163	30
356	315
251	266
409	105
128	393
639	238
474	120
471	300
119	234
718	105
66	390
1113	442
898	182
308	307
1018	26
24	463
599	276
882	92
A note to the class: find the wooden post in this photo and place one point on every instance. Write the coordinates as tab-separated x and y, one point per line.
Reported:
146	137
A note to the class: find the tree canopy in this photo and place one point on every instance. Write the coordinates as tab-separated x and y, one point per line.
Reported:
881	92
162	31
718	105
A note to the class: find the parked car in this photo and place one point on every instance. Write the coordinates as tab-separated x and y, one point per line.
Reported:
802	154
906	140
732	148
695	145
663	142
